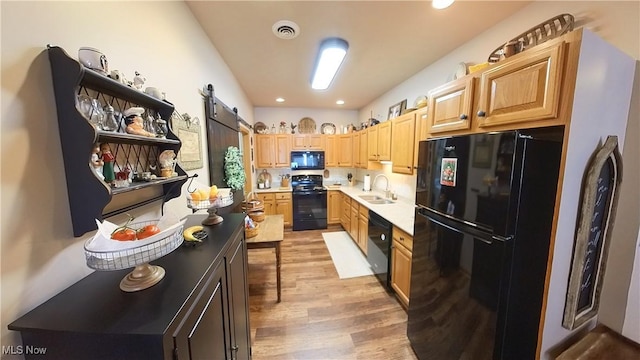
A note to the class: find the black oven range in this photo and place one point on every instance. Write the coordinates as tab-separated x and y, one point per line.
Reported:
309	202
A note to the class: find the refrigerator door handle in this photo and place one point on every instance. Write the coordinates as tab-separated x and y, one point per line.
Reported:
503	238
427	211
461	227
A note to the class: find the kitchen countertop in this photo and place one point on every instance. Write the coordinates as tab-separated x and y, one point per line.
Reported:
400	213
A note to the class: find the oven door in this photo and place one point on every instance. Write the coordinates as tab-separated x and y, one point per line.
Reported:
309	210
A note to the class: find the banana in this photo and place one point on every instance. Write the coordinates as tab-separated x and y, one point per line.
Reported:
190	234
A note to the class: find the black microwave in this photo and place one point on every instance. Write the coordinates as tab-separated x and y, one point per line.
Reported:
307	160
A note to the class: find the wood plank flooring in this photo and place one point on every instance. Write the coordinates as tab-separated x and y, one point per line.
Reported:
320	316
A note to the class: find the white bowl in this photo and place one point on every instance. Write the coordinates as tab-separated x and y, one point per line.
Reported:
93	59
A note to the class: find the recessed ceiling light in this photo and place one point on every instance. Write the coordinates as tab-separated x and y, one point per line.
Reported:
279	100
441	4
340	102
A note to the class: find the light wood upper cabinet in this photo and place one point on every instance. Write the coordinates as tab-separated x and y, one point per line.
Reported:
307	142
364	156
331	151
372	143
384	141
265	148
450	106
422	132
282	151
379	142
403	141
345	158
522	89
355	149
272	150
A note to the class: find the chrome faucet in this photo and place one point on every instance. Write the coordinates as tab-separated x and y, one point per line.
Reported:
386	190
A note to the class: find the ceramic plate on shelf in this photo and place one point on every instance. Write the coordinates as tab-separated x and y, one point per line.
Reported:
328	128
307	125
461	70
259	127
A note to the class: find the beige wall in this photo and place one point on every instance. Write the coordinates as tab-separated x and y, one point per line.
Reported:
617	23
161	40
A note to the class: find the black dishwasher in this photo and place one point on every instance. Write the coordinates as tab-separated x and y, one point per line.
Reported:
379	248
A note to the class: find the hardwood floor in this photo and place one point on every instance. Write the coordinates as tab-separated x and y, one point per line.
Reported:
320	316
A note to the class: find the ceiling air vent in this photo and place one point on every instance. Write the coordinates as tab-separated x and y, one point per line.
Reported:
285	29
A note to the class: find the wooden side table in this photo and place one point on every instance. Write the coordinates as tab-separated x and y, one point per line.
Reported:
270	235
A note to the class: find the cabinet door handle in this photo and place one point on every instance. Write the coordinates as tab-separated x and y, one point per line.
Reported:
401	238
482	113
463	116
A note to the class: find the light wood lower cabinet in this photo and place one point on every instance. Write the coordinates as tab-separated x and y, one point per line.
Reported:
345	213
284	206
278	203
334	203
401	253
363	228
355	207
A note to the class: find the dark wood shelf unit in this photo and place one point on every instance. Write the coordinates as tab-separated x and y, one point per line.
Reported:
88	195
199	310
110	136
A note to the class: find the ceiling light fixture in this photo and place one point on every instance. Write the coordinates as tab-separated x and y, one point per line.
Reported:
441	4
340	102
279	100
332	53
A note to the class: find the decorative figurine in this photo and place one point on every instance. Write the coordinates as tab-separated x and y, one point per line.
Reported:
293	128
138	81
167	161
107	160
135	122
96	162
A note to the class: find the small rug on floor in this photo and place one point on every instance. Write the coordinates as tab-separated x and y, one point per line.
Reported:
349	261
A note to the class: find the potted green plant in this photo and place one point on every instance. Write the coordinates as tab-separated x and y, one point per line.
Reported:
233	168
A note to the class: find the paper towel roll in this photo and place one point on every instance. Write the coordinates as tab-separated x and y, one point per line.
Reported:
367	183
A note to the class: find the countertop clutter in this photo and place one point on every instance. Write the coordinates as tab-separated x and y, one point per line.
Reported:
400	212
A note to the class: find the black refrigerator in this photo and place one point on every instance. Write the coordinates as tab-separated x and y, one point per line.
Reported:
483	222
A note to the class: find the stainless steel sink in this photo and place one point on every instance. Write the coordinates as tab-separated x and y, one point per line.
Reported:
375	199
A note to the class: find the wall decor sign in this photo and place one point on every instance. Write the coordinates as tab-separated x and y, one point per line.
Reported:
593	235
188	131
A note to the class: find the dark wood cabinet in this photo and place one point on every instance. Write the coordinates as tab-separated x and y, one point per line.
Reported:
198	311
71	81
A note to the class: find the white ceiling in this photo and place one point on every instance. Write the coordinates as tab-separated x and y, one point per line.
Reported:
389	41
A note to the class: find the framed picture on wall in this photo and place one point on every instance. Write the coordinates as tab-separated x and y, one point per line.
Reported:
188	131
396	109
